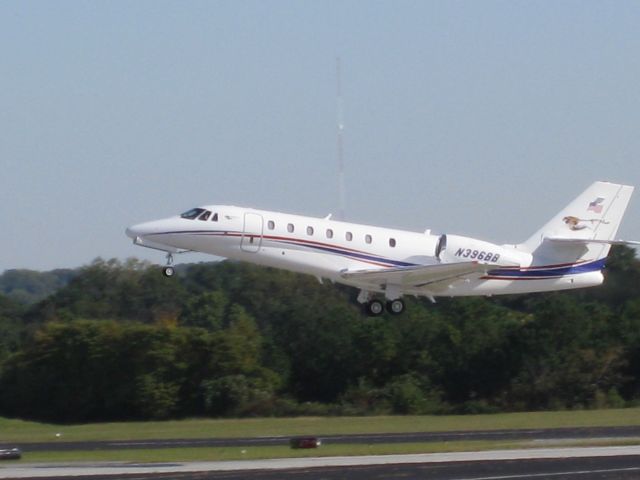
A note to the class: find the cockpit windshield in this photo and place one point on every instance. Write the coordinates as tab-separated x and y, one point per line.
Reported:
192	214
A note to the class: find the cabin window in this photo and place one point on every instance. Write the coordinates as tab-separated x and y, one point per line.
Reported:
367	238
290	228
214	218
392	242
309	230
192	214
205	216
349	236
329	233
271	224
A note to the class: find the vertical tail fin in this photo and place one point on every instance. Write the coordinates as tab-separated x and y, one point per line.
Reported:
583	230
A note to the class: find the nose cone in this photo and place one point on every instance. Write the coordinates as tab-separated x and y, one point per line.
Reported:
139	230
157	234
148	228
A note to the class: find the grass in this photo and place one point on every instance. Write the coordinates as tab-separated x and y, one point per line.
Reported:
23	431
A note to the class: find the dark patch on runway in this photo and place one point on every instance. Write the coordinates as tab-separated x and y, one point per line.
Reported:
367	439
602	468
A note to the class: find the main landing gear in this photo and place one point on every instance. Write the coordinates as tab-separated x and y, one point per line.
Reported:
168	270
395	307
376	307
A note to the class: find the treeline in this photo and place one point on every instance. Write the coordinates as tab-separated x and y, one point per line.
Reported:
29	286
120	341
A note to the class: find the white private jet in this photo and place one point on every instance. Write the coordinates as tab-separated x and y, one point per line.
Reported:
568	252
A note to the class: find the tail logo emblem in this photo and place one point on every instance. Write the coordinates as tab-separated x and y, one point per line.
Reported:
576	224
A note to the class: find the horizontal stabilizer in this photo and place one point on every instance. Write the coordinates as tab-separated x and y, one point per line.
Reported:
584	241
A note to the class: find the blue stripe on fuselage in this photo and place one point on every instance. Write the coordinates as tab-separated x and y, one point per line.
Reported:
549	271
347	253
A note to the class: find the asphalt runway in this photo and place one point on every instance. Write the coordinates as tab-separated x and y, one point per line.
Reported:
532	434
584	469
566	463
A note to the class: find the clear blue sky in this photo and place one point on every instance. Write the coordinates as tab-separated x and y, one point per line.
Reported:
480	118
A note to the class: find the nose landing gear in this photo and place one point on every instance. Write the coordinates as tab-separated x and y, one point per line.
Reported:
168	270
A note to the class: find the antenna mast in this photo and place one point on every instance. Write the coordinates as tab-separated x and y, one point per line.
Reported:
340	129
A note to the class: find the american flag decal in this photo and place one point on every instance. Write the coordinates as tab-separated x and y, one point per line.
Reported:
596	205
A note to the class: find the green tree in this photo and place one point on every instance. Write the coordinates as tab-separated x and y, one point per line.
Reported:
237	395
239	383
471	351
93	370
567	355
408	395
235	339
28	286
113	290
10	326
205	310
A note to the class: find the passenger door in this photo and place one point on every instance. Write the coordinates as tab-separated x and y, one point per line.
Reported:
252	233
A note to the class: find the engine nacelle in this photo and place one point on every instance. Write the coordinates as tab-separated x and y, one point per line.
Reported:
456	248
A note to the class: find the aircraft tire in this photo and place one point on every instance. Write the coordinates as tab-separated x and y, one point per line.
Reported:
395	307
168	271
374	308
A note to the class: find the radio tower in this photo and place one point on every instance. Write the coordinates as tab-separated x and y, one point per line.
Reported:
340	131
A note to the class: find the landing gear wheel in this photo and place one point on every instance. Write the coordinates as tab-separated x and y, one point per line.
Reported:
395	307
374	308
168	271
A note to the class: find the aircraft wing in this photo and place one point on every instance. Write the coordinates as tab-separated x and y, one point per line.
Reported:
418	276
